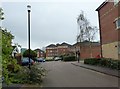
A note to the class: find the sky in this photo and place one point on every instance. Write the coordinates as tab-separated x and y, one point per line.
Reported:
52	21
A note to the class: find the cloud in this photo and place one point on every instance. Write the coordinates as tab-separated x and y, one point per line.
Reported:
54	1
51	22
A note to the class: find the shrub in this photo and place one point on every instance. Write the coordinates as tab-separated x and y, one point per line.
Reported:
33	54
106	62
49	60
36	73
118	65
103	62
69	58
92	61
31	76
114	64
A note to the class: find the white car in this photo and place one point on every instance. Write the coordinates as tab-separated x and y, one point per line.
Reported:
57	58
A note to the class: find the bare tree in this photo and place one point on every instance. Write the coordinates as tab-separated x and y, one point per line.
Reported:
86	31
81	23
1	14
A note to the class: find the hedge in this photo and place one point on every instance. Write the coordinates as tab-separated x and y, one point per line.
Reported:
105	62
49	60
69	58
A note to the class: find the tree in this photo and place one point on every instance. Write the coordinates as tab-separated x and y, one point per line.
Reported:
9	65
86	31
33	54
81	24
1	14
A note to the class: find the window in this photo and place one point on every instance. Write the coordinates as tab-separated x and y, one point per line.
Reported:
117	23
116	2
50	51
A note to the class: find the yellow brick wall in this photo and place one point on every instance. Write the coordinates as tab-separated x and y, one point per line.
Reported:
110	50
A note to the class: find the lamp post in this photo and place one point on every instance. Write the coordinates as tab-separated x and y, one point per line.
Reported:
29	10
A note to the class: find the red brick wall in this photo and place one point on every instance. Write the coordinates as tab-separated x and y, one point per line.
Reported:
62	51
56	52
40	54
108	14
51	52
85	51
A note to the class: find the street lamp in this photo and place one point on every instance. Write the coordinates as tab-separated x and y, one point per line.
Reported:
29	10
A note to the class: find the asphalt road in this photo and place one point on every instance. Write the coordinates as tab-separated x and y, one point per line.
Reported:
64	74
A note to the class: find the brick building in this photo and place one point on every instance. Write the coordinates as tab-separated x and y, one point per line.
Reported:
40	53
67	49
63	49
109	23
51	51
86	51
57	50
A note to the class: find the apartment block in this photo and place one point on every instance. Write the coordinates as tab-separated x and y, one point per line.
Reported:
40	53
53	50
109	23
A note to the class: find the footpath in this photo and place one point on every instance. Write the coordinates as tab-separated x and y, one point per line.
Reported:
108	71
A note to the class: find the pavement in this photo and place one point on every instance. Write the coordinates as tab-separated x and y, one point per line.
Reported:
108	71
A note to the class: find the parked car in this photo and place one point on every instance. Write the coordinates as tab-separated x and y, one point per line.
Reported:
25	61
40	59
57	58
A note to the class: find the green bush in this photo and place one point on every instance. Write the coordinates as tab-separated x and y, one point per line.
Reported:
114	64
106	62
30	76
69	58
36	73
118	65
92	61
8	63
33	54
103	62
49	60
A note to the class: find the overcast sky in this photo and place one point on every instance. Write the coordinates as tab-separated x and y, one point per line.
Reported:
52	21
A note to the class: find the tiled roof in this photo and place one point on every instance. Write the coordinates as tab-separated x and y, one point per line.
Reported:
86	43
65	44
62	44
51	45
38	50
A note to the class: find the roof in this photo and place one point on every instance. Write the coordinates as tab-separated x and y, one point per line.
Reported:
86	43
62	44
106	1
51	45
58	44
38	50
65	44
